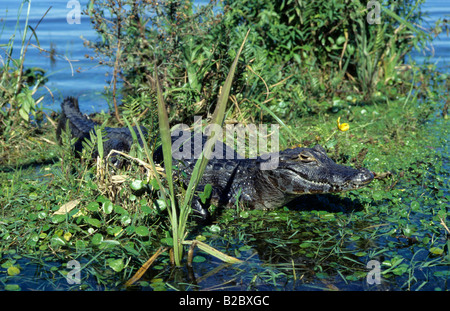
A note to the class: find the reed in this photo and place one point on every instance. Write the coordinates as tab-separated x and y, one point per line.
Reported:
179	211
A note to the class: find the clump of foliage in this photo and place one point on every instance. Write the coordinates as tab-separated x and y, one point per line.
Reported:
330	43
19	111
17	83
137	35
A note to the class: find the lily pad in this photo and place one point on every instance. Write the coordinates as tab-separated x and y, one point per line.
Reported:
13	270
12	287
199	259
436	251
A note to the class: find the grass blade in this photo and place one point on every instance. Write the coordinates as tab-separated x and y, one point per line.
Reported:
212	251
166	139
217	118
164	129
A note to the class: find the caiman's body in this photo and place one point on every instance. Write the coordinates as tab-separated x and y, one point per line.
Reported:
299	171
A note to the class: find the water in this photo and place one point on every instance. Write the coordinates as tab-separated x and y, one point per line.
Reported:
440	48
71	73
81	77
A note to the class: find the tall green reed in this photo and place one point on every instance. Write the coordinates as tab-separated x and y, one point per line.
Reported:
179	211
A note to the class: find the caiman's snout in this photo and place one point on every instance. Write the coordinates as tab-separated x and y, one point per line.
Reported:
362	178
352	179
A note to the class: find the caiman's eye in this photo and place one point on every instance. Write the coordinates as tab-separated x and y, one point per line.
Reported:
304	157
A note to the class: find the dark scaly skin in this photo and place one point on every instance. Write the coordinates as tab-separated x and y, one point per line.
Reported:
80	126
299	170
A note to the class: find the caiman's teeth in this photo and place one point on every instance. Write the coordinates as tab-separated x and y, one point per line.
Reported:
317	183
333	188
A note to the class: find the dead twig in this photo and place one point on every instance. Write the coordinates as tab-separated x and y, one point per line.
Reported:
444	224
148	167
145	267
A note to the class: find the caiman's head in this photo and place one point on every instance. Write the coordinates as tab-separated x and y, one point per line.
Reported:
310	170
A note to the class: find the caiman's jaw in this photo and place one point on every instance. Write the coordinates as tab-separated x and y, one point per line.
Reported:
310	170
362	178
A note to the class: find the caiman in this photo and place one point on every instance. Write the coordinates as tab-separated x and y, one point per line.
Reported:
236	180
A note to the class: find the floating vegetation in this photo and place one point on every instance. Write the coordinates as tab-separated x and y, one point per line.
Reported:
76	224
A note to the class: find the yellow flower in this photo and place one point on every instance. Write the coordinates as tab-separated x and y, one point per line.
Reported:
342	127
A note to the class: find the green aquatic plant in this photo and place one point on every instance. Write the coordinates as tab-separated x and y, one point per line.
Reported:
178	213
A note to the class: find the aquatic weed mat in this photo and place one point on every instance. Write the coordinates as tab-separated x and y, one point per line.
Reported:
323	242
392	235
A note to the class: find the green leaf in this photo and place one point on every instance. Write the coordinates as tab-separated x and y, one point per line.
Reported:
97	239
305	245
142	231
34	35
100	150
146	209
102	199
13	270
120	210
58	218
23	114
93	207
401	20
214	228
130	229
164	129
244	214
199	258
56	240
12	287
154	183
206	193
8	263
445	273
116	264
107	207
94	222
361	254
114	230
110	242
161	204
125	220
436	251
136	184
212	251
378	196
80	244
415	206
168	241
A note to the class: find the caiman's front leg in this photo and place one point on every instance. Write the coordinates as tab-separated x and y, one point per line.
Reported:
200	210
